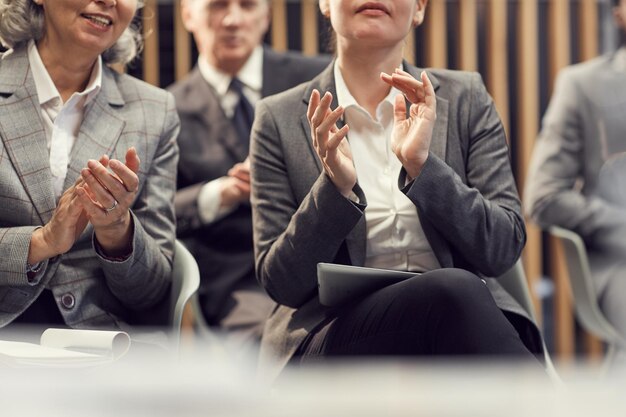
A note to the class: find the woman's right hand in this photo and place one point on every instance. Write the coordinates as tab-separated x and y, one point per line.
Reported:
61	232
333	151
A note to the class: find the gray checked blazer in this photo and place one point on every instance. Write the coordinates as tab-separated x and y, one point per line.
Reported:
583	128
465	195
103	293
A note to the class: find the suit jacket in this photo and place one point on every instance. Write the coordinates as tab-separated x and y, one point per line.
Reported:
583	127
301	219
209	147
98	293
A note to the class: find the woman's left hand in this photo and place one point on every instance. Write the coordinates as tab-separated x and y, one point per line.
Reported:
107	197
411	136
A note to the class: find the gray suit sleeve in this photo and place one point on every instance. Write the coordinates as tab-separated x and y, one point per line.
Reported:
290	238
553	195
481	218
142	280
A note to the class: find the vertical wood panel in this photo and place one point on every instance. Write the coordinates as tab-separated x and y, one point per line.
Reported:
528	126
497	82
468	35
309	27
563	317
559	57
588	20
182	45
279	25
151	42
436	34
558	37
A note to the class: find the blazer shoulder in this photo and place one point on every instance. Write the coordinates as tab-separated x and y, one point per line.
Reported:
286	100
185	84
133	89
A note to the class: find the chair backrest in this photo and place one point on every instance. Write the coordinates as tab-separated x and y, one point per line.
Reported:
514	282
185	282
581	282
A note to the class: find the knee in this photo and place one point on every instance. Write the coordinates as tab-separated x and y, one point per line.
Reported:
450	288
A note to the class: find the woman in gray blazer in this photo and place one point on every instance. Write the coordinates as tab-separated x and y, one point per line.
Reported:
372	165
87	169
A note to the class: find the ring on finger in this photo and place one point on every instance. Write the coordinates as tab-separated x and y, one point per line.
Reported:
110	209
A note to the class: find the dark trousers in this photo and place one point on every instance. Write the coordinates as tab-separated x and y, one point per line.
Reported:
446	312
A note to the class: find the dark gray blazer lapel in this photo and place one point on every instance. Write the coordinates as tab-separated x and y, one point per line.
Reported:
22	132
100	129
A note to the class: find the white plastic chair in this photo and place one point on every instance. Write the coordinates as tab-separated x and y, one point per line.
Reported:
585	299
185	283
515	283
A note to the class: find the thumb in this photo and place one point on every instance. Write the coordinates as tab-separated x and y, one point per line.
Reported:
132	159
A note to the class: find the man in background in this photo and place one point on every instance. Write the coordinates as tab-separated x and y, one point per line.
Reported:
215	104
583	129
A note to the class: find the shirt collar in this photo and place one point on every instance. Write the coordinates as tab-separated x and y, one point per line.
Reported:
47	91
345	98
620	56
251	74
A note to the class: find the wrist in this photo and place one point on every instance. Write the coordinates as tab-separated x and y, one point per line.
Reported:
115	239
40	247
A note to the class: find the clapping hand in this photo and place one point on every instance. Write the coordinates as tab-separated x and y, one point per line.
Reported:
108	192
333	151
412	135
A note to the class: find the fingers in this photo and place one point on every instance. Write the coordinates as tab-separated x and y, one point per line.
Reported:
240	171
430	99
132	159
314	101
127	174
321	111
337	137
413	89
102	186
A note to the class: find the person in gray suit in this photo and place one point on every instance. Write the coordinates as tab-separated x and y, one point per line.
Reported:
377	163
583	127
212	202
87	170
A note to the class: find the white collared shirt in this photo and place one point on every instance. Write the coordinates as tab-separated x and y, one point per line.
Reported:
61	120
251	76
395	239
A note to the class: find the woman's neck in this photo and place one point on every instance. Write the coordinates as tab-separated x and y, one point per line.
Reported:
361	72
68	75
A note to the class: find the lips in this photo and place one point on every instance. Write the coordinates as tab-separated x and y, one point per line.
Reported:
98	19
373	6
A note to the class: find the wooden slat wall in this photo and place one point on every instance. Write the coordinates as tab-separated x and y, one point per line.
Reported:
279	25
182	45
559	57
436	34
151	42
309	27
498	80
483	42
527	127
468	35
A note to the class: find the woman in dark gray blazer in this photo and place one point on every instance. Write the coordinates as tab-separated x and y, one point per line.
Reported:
377	163
87	169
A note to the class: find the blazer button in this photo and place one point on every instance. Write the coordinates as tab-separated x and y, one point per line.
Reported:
68	301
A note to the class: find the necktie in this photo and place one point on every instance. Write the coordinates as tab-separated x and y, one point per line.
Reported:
243	114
